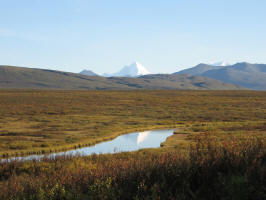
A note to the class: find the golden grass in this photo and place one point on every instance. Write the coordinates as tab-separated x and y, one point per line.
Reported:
39	121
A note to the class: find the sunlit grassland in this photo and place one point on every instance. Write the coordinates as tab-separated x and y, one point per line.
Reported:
217	152
39	121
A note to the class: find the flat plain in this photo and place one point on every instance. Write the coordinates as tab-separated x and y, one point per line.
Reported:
39	121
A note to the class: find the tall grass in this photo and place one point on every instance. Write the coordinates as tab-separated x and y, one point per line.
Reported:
233	169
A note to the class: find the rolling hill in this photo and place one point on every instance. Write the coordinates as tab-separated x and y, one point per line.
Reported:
252	76
21	77
199	69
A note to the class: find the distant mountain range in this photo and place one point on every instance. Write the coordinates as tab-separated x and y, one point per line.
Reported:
134	70
136	76
21	77
252	76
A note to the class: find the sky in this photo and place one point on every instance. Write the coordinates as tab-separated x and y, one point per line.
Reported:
105	35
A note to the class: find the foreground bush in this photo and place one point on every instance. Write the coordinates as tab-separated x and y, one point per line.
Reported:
210	170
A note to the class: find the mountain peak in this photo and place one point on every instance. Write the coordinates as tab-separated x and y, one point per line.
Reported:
141	70
132	70
221	63
88	73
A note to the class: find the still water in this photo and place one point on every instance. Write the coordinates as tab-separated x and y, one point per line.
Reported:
124	143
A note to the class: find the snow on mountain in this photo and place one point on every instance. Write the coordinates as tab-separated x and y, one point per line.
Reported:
133	70
222	63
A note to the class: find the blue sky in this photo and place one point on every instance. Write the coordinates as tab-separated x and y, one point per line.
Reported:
104	35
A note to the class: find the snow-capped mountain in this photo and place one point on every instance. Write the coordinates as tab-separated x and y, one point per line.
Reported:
222	63
133	70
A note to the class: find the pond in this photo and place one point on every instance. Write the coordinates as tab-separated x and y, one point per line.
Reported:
123	143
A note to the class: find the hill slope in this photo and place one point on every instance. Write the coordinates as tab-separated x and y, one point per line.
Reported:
199	69
19	77
252	76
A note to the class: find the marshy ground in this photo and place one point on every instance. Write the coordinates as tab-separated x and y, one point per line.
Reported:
37	121
218	151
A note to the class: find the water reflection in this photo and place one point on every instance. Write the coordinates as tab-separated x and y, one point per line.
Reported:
123	143
142	136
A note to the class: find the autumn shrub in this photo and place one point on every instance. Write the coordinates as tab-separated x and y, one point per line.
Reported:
211	169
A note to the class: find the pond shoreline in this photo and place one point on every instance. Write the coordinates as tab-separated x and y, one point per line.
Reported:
76	147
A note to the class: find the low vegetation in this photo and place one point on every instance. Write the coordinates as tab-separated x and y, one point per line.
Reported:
235	169
38	121
217	152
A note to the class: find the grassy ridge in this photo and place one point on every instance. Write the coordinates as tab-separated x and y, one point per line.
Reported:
37	121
